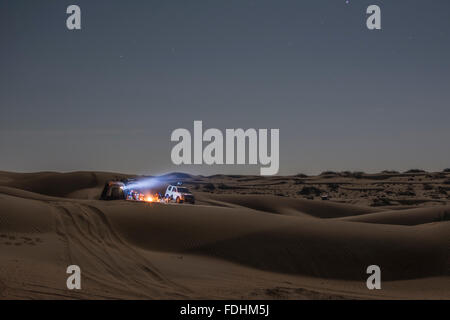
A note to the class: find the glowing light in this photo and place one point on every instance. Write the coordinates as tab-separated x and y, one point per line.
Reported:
143	183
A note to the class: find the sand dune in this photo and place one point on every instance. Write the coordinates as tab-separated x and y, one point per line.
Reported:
225	246
285	244
407	217
273	204
59	184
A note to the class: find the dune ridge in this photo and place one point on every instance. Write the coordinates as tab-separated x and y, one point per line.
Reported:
297	248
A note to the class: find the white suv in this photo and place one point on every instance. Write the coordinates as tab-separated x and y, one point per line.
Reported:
179	194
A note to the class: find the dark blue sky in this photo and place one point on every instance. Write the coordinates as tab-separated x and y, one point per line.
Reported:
108	97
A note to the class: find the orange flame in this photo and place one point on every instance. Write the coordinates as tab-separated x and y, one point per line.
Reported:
151	198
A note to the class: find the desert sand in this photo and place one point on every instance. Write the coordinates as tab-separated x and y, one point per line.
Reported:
247	237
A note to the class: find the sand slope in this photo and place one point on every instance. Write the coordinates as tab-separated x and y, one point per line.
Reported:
408	217
225	246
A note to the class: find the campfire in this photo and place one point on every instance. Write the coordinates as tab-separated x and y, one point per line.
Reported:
152	198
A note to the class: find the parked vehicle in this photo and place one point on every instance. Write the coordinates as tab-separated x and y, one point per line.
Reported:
113	190
325	196
179	194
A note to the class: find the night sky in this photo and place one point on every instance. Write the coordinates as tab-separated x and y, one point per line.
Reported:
107	97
